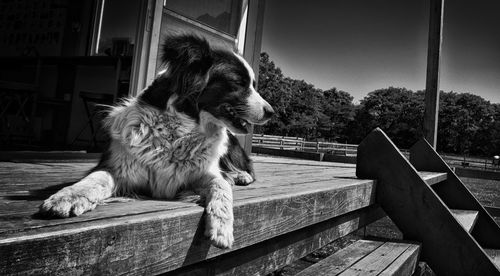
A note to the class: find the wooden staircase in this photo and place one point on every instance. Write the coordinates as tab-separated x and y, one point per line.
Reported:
365	257
457	234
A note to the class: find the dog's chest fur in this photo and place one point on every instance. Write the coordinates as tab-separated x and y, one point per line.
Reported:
181	150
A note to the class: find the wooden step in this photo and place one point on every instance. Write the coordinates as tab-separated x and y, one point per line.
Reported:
494	255
467	218
432	178
366	257
421	212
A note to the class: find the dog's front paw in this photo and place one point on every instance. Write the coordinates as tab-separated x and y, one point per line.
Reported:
243	179
219	226
66	203
220	233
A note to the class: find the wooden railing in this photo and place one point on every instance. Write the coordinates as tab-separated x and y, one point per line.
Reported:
471	162
299	144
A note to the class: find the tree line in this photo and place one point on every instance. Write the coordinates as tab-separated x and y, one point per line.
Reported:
468	124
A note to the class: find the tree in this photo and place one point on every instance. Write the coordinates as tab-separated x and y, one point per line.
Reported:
468	124
305	110
398	111
276	90
339	111
465	124
492	135
302	109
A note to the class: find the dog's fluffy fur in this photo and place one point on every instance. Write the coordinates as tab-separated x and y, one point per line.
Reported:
174	136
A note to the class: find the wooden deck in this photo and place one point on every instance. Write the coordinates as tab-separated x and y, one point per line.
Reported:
295	207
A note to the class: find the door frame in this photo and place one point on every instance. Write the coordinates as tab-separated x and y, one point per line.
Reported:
253	43
146	49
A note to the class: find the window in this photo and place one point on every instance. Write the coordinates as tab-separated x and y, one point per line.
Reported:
221	15
115	27
222	22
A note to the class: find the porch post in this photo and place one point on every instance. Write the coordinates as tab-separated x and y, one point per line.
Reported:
432	82
253	43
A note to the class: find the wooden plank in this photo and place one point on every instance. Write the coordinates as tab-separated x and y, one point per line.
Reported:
18	215
50	155
270	255
40	178
21	190
22	220
405	264
455	194
432	178
432	80
161	240
301	162
342	259
467	218
339	158
169	239
21	199
417	210
17	208
281	169
289	153
378	260
307	200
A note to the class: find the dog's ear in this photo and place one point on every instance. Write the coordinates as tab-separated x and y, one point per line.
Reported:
188	59
189	53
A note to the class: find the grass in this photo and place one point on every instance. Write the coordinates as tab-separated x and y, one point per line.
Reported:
486	191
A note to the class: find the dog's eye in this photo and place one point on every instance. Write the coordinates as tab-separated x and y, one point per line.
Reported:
239	83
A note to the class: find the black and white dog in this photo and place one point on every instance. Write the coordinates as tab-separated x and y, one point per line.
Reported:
174	136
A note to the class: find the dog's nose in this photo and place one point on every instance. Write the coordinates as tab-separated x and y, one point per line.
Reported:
268	111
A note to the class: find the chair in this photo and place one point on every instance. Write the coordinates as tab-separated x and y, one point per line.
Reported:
95	105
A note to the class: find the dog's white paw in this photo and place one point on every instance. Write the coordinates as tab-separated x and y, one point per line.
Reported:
219	226
243	179
66	203
220	233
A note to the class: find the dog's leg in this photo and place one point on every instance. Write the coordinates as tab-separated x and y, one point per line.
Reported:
80	197
236	164
219	211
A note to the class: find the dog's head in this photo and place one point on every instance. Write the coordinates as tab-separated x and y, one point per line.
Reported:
216	81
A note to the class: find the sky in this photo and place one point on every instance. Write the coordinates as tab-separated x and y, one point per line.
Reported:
360	46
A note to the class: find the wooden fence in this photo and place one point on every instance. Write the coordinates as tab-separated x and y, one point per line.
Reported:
471	162
299	144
